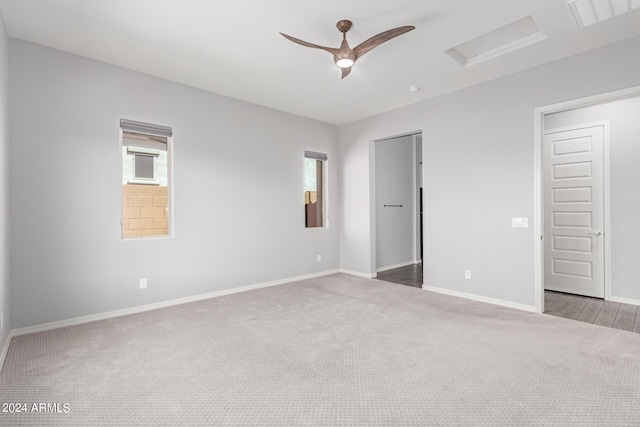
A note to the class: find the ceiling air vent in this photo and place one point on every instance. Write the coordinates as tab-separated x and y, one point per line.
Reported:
589	12
514	36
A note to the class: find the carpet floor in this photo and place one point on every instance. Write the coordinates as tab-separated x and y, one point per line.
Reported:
332	351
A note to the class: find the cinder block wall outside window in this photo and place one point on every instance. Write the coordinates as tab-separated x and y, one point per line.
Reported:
145	210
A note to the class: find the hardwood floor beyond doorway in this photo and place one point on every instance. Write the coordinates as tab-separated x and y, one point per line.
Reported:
593	310
575	307
410	275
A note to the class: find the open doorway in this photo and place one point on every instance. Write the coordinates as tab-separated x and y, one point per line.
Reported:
585	221
397	209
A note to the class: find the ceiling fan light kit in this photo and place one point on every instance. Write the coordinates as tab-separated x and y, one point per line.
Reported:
344	62
344	57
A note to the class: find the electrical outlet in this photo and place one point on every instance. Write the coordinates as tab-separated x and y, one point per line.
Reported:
520	222
467	274
319	258
143	283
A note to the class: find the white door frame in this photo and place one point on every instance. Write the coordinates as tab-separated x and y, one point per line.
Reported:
538	206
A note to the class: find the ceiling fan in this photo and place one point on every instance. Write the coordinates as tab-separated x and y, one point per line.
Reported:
345	57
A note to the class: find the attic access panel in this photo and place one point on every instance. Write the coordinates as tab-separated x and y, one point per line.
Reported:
500	41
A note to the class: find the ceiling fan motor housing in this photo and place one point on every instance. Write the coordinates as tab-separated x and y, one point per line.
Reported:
346	57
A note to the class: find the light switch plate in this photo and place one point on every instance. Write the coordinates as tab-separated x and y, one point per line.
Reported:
520	222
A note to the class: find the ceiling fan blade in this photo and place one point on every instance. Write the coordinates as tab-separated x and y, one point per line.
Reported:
378	39
345	72
315	46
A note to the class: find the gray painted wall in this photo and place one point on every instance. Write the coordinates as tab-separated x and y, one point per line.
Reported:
478	155
239	211
395	182
5	306
624	117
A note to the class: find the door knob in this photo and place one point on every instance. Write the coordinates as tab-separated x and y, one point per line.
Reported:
596	234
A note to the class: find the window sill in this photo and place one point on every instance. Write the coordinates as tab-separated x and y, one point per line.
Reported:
126	239
143	182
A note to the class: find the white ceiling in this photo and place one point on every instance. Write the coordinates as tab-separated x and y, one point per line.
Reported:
233	47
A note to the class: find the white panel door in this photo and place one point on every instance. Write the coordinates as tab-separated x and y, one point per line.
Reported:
574	210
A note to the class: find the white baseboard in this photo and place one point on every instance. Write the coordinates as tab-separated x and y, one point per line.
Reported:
623	300
355	273
494	301
5	350
391	267
155	306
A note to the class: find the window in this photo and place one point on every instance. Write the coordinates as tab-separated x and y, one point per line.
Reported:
146	177
143	166
314	184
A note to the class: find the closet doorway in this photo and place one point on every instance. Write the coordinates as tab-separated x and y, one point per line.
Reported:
397	196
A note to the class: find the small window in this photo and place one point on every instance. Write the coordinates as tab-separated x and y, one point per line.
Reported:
145	179
314	189
143	166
